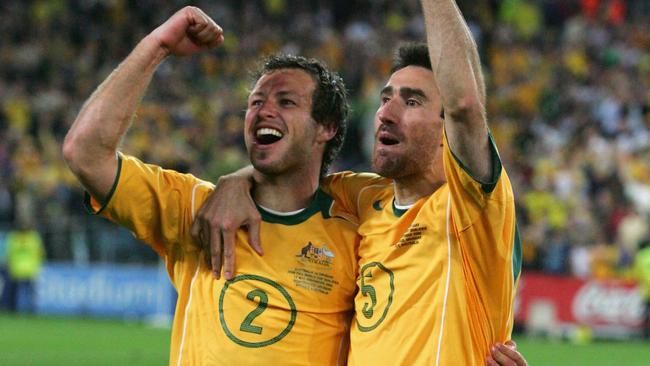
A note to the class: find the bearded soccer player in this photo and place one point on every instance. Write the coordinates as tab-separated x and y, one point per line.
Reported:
438	270
293	305
439	256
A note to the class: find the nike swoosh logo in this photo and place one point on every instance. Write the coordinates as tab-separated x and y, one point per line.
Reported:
377	205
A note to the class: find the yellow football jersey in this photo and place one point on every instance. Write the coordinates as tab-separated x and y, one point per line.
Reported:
437	280
291	306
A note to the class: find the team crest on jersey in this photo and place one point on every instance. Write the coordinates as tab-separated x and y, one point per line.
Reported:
315	272
312	254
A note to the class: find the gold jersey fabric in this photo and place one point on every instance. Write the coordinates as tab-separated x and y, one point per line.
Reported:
291	306
437	280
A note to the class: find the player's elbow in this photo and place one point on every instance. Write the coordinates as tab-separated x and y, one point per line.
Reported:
71	153
76	154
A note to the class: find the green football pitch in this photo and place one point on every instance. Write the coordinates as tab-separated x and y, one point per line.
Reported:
26	340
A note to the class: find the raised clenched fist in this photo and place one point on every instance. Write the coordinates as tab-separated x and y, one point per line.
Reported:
188	31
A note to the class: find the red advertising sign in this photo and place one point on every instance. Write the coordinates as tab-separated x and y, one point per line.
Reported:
598	304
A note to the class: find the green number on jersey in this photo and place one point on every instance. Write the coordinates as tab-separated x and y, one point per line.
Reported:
246	325
251	336
374	312
368	290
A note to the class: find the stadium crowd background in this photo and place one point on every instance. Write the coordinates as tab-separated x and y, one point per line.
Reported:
568	103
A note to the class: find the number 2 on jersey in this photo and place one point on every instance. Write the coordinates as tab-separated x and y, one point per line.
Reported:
246	325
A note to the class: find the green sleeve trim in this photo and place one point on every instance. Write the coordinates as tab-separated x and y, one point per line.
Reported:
86	201
321	203
398	212
489	186
516	255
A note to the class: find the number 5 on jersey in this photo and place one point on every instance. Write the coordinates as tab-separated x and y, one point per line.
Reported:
376	283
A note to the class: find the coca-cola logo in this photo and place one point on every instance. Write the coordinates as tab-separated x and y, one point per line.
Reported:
596	303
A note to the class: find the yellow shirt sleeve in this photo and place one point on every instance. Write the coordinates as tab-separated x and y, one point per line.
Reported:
347	189
157	205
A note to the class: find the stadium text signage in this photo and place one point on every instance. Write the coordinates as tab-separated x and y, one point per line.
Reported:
109	290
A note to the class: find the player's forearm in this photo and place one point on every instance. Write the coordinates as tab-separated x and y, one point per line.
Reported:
106	115
91	144
457	69
243	173
244	177
454	58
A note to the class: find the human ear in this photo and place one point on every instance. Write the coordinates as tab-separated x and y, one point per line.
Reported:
326	132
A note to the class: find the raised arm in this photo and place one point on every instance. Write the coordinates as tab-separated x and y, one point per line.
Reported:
457	68
90	147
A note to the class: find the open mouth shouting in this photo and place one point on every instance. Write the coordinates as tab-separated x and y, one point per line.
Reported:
388	141
267	135
386	138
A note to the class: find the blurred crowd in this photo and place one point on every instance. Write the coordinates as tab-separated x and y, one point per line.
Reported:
568	103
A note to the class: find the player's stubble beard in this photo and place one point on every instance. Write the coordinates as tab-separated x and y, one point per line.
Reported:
395	166
416	159
285	162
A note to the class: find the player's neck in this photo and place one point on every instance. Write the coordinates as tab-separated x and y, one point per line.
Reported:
285	192
411	188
